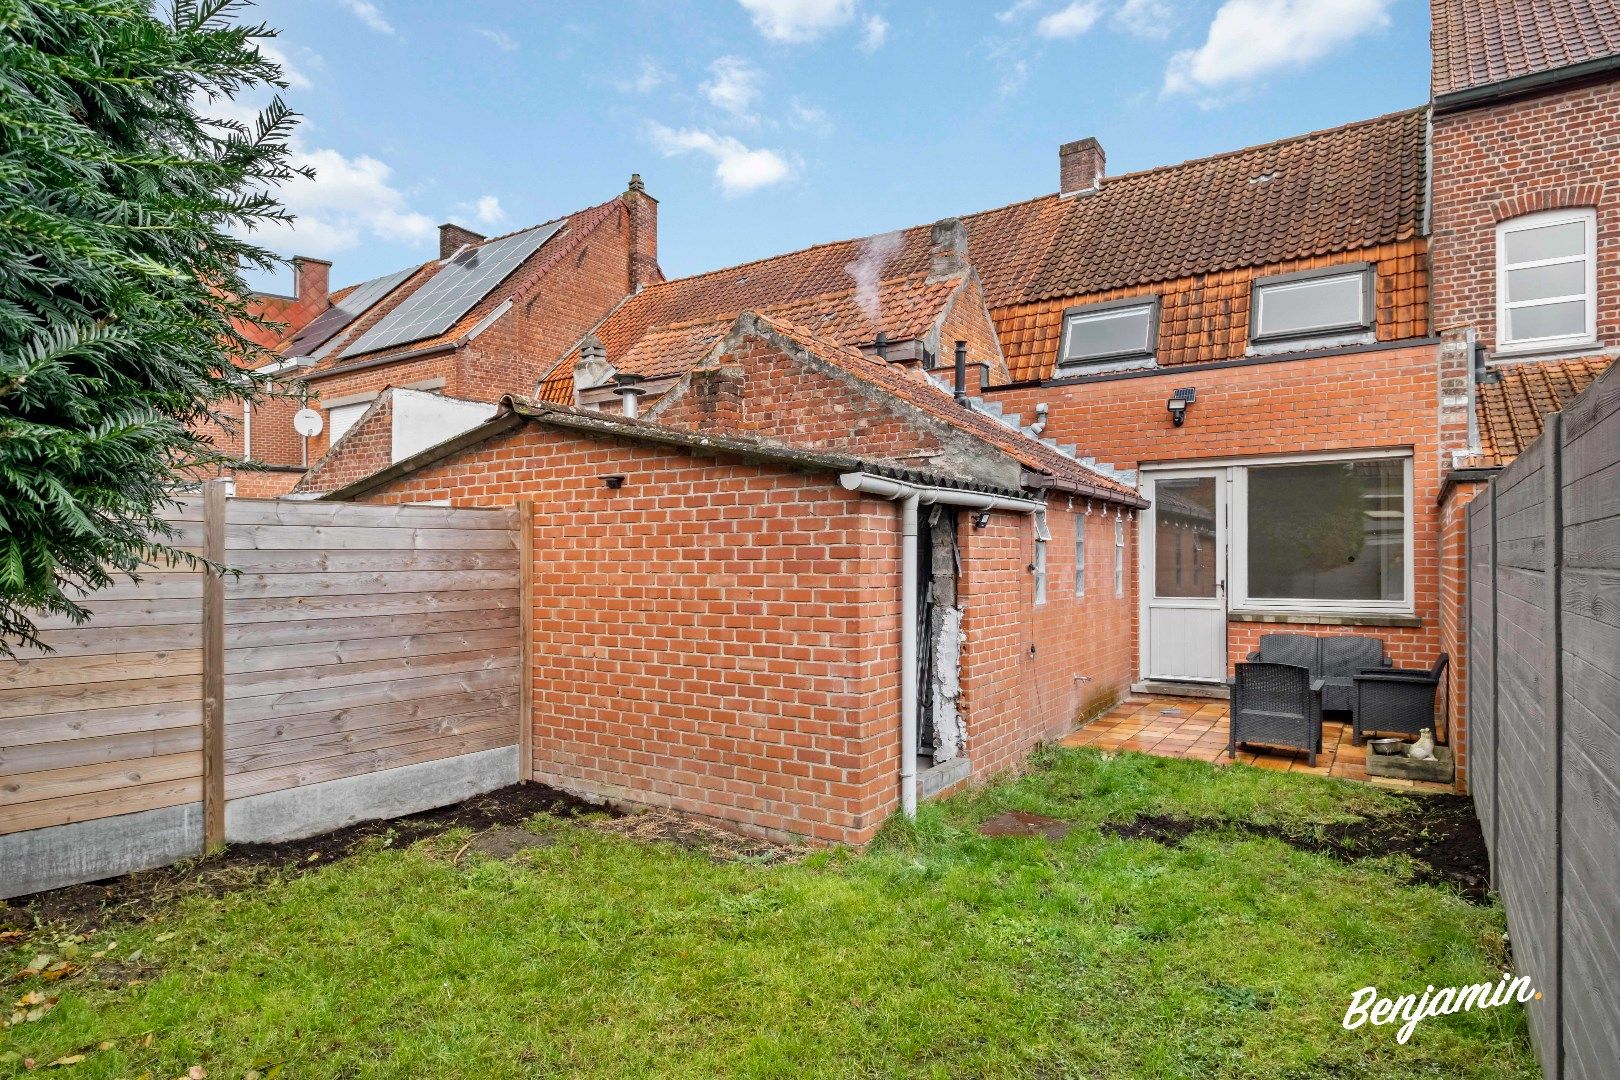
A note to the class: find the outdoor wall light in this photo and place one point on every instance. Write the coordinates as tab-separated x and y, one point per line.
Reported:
1179	400
614	482
981	519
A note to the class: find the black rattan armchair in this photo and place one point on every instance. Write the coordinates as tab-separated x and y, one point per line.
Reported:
1274	705
1396	699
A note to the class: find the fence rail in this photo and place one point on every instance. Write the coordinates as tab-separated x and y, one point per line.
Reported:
353	641
1544	682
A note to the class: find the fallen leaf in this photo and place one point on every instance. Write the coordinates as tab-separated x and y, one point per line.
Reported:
148	1040
196	1072
33	997
108	1045
70	1059
313	856
59	971
164	937
136	955
11	935
39	962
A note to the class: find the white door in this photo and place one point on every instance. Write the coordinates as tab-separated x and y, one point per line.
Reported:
1184	575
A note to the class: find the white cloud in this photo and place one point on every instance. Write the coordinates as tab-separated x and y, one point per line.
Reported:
500	39
1146	18
1017	11
367	12
734	85
487	210
739	169
798	20
649	77
349	199
1013	78
876	32
294	78
1252	38
811	118
1070	21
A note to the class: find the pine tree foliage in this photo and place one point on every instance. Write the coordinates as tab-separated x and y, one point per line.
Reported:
124	222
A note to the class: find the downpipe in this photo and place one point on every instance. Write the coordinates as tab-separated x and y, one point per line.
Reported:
911	497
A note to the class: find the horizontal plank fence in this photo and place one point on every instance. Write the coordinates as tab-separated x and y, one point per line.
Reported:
1544	682
361	661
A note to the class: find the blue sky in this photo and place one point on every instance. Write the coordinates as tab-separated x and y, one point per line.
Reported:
767	125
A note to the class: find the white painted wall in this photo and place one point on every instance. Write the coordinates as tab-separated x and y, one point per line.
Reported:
422	420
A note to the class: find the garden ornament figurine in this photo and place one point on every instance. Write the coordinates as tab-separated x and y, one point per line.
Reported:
1423	749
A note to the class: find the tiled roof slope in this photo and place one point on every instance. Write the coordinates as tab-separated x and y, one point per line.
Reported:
918	390
906	308
577	227
1342	189
1513	411
1478	42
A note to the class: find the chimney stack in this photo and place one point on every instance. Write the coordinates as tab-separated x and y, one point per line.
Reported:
948	245
1080	166
452	238
312	282
643	210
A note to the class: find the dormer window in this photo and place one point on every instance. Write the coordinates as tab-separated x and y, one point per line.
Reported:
1546	281
1329	302
1111	335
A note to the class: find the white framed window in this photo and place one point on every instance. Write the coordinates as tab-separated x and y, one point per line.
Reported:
1330	533
1119	556
1112	334
1546	281
1329	301
1079	555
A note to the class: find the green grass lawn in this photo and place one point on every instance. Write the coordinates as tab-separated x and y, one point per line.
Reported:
937	952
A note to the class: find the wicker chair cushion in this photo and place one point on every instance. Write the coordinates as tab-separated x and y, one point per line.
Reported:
1300	650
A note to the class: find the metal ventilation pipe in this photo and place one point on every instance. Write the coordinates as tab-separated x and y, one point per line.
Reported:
629	389
961	373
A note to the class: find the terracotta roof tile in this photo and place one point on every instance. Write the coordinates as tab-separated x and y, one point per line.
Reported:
1329	191
1513	410
1479	42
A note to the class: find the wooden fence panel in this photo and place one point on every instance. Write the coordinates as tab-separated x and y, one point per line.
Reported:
1544	663
352	640
110	721
1589	433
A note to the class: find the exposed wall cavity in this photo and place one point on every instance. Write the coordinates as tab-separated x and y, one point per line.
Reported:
945	639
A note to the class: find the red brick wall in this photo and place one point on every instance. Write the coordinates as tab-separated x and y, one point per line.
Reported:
1365	400
365	448
716	637
1029	672
967	319
1548	152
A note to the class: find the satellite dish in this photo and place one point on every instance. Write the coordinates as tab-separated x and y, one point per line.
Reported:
307	422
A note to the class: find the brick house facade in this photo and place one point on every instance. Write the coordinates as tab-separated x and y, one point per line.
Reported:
589	262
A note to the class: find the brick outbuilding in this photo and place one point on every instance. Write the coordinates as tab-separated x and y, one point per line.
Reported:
721	615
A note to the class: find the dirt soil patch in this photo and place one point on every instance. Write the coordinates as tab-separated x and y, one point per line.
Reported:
1020	823
507	841
138	896
1438	832
694	834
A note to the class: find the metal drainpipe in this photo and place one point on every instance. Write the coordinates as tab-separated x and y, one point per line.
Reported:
910	497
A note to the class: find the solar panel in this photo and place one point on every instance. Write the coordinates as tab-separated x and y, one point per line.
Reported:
453	291
361	299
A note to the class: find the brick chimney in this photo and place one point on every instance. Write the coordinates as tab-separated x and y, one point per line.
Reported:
312	281
643	235
1080	166
453	237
